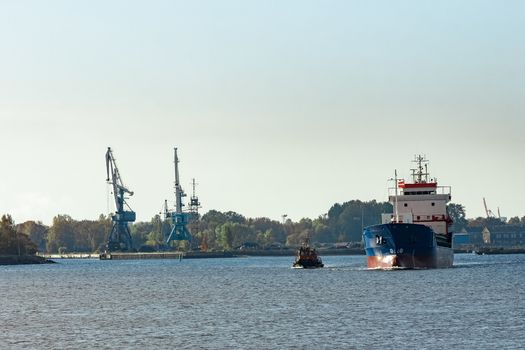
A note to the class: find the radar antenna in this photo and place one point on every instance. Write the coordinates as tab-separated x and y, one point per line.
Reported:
418	174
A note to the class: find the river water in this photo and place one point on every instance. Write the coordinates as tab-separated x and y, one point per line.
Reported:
262	303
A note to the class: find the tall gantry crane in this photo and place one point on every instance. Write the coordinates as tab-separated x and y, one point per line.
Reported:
120	237
179	219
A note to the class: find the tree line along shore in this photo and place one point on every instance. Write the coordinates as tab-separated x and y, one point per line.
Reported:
214	231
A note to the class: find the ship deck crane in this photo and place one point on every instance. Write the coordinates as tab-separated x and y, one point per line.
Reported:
120	237
179	219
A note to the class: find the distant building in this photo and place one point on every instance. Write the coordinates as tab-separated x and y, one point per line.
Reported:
505	236
469	238
498	236
460	239
476	235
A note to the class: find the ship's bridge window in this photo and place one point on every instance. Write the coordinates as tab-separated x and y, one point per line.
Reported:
407	193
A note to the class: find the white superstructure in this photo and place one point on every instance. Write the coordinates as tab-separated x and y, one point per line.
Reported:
421	202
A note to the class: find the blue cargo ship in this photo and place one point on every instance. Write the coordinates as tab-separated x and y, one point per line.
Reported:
417	234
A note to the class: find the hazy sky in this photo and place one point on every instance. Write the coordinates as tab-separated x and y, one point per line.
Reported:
277	107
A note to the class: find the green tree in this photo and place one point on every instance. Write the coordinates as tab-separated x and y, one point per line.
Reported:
233	234
267	231
300	231
207	239
321	230
36	232
61	234
145	233
457	214
345	221
234	217
105	223
90	236
212	219
225	236
13	242
485	222
514	220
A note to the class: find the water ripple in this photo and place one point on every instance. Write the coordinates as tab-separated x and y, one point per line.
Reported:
261	303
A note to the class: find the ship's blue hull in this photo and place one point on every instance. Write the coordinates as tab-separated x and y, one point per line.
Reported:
402	245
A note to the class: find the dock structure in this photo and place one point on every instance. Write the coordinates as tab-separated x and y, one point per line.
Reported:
70	256
165	255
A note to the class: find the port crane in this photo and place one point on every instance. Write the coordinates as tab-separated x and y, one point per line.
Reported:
120	237
179	219
488	212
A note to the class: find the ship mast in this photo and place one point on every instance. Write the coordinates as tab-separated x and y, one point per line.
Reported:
418	173
396	215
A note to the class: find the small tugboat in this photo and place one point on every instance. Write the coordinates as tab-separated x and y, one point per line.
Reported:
307	258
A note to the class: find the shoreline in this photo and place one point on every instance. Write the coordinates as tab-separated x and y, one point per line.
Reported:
43	258
23	260
491	251
197	254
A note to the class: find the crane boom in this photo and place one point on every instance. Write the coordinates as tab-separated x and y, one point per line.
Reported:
179	193
116	179
488	212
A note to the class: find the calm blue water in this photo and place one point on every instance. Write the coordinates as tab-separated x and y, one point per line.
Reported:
261	303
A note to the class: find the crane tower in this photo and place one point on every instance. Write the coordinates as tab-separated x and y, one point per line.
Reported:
120	237
179	219
194	202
